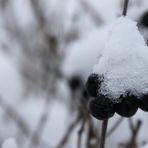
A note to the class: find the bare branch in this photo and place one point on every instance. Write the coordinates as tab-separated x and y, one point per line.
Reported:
68	133
36	136
80	132
98	20
132	143
22	125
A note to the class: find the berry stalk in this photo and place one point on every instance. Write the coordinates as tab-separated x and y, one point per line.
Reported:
103	133
125	7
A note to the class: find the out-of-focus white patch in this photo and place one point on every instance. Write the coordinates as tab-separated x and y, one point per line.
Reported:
24	17
9	143
57	124
10	79
108	10
145	146
83	54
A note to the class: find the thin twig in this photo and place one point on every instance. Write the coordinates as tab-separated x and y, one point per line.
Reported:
80	132
14	115
115	126
131	124
125	7
92	134
132	143
68	133
3	4
21	124
98	20
35	139
38	13
103	133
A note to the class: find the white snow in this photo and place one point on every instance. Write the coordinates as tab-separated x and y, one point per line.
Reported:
107	9
119	50
124	61
9	143
10	79
83	54
146	146
123	132
24	17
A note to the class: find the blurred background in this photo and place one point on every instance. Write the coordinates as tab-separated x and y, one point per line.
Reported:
47	51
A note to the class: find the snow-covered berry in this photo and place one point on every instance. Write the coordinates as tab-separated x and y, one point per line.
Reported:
101	107
144	19
143	103
128	105
75	82
93	84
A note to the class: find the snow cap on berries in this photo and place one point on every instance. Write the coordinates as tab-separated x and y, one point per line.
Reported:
124	61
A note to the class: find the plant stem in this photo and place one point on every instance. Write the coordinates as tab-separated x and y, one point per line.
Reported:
125	7
103	133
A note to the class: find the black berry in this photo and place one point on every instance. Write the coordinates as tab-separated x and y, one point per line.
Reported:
128	106
143	103
75	82
85	94
144	19
101	107
93	84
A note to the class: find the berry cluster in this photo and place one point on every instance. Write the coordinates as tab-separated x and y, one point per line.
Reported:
103	108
